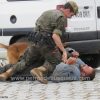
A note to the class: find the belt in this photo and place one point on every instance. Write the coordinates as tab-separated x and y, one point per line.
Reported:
42	38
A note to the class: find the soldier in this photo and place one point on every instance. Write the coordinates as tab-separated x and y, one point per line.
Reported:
45	42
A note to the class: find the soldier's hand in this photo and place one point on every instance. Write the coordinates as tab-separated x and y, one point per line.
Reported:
71	60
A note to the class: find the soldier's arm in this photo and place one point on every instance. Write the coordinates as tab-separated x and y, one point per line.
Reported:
57	32
59	44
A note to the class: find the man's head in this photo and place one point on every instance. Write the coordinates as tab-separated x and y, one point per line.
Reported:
70	9
87	72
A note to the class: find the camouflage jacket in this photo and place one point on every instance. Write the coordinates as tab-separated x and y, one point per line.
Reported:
52	21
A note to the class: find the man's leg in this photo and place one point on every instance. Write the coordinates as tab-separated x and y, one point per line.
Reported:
29	56
52	59
5	68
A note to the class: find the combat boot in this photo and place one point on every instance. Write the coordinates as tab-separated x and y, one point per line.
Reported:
4	76
39	74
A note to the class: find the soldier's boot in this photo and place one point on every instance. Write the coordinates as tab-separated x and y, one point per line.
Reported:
39	74
4	76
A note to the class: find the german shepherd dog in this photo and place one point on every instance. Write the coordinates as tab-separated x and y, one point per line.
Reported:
14	51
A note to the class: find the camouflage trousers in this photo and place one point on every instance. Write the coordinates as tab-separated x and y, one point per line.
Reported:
32	54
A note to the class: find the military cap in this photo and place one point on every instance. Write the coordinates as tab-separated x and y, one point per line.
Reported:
74	6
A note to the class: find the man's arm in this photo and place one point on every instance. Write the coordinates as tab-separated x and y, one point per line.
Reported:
59	44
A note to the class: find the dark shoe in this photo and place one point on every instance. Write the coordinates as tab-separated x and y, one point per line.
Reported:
39	75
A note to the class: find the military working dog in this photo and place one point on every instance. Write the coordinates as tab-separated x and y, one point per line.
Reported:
14	51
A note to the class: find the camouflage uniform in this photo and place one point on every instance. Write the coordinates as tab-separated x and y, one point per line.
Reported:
41	43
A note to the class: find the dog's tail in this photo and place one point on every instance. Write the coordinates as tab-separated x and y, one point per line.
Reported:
3	46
